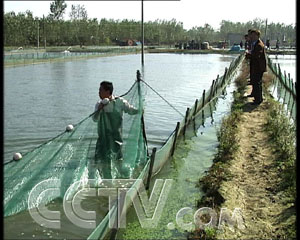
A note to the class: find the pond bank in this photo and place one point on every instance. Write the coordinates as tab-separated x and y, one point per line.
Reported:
217	51
250	173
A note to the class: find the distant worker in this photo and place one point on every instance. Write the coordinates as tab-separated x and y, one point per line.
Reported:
109	116
277	45
258	65
241	44
249	42
246	42
248	54
268	44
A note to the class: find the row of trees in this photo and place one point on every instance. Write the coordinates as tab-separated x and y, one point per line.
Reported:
23	29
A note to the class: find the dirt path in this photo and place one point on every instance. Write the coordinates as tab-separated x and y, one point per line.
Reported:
254	179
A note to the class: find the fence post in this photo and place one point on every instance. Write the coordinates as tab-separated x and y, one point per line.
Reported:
194	113
279	69
151	167
211	89
186	120
202	117
196	106
121	201
294	87
285	79
211	113
290	82
175	138
224	76
203	98
216	85
285	90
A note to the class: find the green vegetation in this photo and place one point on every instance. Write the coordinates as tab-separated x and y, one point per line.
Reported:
22	29
282	133
228	145
282	137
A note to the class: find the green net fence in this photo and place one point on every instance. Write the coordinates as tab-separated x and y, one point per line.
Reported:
285	88
198	108
72	158
17	59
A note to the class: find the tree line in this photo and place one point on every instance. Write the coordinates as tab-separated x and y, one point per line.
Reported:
23	29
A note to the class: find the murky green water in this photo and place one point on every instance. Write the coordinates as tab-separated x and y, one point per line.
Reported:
191	159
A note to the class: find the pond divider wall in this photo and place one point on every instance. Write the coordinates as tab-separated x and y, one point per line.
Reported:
17	59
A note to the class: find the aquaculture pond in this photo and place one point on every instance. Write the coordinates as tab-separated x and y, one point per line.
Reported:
41	100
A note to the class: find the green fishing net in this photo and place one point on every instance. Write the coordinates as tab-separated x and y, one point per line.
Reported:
112	146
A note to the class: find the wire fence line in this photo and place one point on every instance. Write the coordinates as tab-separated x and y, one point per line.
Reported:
13	59
285	88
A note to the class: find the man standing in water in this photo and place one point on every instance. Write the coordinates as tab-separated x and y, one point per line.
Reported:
109	116
258	65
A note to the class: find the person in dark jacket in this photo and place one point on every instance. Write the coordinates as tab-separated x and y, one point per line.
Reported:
258	65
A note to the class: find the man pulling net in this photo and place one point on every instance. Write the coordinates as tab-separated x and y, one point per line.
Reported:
109	117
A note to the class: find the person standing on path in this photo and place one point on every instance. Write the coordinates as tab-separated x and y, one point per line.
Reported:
258	65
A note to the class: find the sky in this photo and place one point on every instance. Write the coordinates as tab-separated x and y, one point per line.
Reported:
190	12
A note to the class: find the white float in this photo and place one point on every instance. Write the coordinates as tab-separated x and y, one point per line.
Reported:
69	128
105	101
17	156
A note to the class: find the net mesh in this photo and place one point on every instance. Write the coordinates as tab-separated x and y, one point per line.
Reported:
75	156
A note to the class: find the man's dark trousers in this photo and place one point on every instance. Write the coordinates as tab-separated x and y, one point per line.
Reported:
257	87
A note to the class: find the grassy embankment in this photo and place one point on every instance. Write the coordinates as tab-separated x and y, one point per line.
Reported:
280	135
98	51
215	50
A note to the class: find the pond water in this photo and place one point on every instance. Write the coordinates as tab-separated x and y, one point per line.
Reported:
41	100
287	63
